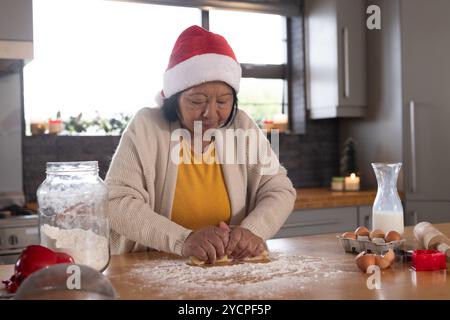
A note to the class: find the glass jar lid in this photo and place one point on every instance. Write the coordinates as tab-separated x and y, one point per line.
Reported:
74	166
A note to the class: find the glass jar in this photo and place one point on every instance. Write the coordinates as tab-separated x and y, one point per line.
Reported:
387	210
73	205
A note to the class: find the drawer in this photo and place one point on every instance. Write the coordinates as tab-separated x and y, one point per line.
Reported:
318	221
11	238
431	211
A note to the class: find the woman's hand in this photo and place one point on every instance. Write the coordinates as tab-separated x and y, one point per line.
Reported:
207	244
243	243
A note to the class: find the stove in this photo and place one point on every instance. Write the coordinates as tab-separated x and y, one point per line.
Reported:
18	229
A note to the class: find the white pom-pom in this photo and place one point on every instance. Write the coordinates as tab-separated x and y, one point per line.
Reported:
159	99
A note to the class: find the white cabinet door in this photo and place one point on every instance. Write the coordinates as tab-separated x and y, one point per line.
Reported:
425	30
433	212
318	221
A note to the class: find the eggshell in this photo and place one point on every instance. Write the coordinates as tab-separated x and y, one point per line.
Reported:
349	235
392	236
377	233
378	240
385	261
362	231
363	261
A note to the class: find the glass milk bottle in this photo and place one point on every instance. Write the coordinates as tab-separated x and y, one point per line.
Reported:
73	205
387	211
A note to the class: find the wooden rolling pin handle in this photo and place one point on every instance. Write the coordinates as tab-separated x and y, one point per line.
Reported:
444	248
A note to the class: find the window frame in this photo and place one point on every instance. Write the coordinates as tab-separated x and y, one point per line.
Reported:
285	8
294	68
292	72
272	71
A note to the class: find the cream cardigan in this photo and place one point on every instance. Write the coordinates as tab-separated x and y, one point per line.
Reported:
142	180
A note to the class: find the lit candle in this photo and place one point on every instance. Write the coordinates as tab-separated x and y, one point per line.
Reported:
352	183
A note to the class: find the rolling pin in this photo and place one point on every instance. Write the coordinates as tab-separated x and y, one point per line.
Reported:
431	238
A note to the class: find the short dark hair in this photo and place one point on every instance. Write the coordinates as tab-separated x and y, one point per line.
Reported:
171	107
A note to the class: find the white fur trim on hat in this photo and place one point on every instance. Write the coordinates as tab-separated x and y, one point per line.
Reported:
200	69
159	99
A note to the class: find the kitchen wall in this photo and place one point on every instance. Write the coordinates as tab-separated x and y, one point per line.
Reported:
311	159
379	135
38	150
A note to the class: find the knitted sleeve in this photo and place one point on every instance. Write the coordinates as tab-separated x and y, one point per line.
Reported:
271	194
131	202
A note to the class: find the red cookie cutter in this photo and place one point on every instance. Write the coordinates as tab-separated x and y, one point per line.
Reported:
34	258
428	260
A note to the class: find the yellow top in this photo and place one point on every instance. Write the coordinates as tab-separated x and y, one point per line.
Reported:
201	197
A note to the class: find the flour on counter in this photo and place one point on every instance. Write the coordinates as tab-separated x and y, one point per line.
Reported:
85	246
248	280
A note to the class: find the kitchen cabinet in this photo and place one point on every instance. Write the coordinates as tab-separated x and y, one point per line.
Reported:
335	58
16	33
426	98
431	211
16	20
426	102
318	221
365	216
328	220
16	233
408	77
16	47
11	184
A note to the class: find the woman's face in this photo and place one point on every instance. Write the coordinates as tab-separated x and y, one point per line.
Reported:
210	102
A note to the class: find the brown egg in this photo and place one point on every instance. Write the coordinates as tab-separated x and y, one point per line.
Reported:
362	231
377	233
349	235
379	240
385	261
364	260
392	236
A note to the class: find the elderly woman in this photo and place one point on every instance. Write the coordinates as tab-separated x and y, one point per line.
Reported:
163	196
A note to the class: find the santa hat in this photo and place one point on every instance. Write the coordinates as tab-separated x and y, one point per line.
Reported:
199	56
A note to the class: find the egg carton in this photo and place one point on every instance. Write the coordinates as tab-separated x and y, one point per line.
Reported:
357	246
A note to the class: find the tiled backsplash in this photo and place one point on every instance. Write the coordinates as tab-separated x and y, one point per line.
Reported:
38	150
311	159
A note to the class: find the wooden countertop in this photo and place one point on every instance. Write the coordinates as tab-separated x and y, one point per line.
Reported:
315	198
312	267
318	198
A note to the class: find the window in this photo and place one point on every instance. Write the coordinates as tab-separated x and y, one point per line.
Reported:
99	56
105	58
259	42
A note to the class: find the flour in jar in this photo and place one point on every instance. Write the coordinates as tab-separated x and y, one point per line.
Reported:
85	246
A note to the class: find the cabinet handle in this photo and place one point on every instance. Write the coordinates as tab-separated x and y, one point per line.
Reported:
13	240
366	221
413	146
345	46
310	224
414	217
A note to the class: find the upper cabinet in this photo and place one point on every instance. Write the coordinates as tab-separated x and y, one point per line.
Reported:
335	35
16	30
